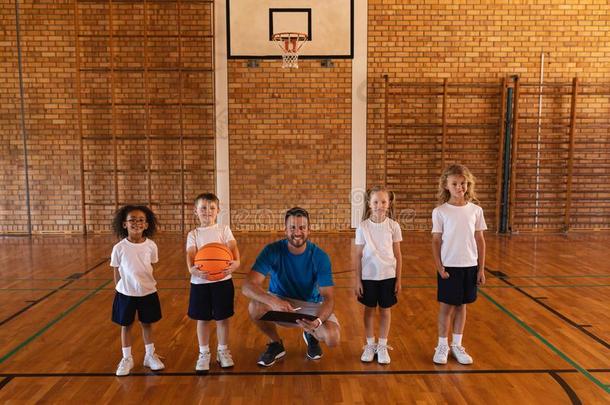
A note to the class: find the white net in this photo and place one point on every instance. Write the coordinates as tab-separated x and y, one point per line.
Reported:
290	60
290	43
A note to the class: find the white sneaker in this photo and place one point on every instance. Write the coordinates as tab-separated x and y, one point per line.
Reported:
383	357
369	353
223	357
460	354
125	366
153	362
203	362
440	354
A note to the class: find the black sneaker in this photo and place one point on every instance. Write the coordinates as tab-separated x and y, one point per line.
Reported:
314	351
275	350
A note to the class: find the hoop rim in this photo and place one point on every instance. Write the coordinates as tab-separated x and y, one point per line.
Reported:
282	36
290	44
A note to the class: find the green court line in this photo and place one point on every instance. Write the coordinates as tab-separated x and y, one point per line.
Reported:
404	286
53	322
548	344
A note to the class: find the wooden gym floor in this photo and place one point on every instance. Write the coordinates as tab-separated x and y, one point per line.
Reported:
539	332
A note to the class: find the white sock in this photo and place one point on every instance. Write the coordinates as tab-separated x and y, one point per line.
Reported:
383	342
126	352
150	348
443	341
456	340
370	340
223	347
204	349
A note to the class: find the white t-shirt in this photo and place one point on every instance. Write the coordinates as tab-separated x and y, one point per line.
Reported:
378	261
458	225
134	261
209	234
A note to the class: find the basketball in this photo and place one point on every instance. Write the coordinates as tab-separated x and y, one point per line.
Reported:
213	259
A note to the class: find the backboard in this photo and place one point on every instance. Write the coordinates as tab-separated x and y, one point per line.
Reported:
327	23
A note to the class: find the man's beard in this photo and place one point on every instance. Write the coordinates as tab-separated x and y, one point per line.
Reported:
297	244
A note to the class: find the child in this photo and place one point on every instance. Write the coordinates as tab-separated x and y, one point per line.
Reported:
211	299
458	247
378	267
136	291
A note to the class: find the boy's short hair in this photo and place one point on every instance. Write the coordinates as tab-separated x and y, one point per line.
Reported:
207	197
296	212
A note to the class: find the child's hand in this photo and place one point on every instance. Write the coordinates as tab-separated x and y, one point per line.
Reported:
194	270
358	289
481	277
443	273
233	265
397	286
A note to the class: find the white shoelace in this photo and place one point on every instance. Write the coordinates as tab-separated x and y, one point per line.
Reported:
225	353
370	349
460	349
443	350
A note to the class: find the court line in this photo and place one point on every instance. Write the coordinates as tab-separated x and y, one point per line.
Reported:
561	316
7	380
265	372
567	388
548	344
565	276
44	297
343	287
53	322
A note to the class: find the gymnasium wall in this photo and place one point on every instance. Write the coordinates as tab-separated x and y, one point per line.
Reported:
466	41
134	84
13	210
290	143
289	131
49	84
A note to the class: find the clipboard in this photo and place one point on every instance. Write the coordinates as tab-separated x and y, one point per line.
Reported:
288	317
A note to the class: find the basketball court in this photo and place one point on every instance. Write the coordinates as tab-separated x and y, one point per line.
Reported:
273	104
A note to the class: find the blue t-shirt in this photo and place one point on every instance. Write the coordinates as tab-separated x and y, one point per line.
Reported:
295	276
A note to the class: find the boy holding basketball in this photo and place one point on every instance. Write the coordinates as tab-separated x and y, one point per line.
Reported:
211	299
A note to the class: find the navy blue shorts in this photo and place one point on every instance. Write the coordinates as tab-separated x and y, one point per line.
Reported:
461	286
212	301
124	308
378	292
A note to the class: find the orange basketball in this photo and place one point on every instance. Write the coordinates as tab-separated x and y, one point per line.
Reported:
213	259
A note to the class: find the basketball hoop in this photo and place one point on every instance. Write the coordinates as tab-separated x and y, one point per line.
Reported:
290	43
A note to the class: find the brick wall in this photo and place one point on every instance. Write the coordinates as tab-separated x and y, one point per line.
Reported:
416	151
47	39
275	163
139	72
472	41
290	143
13	209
